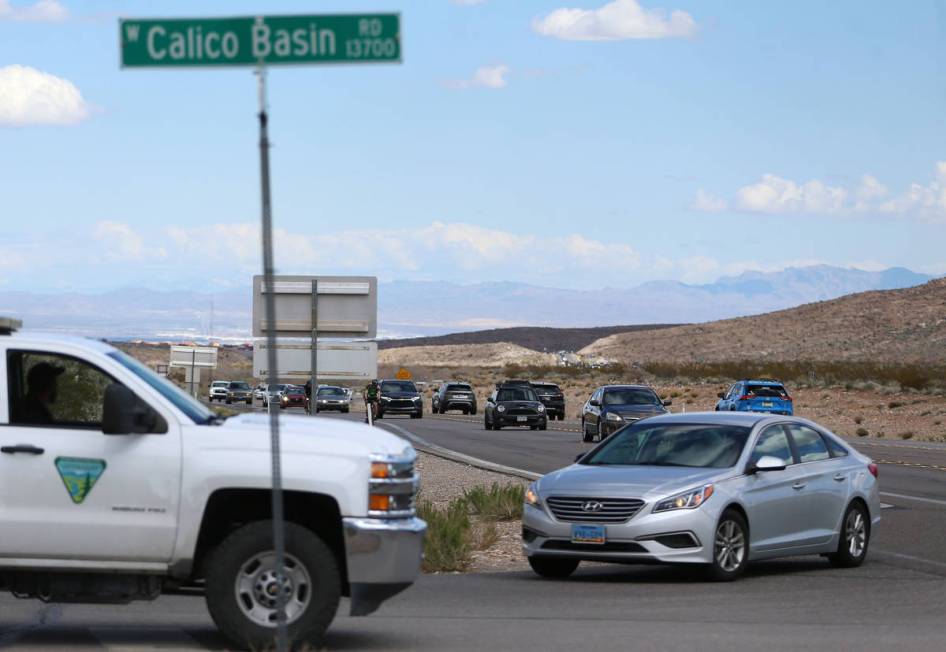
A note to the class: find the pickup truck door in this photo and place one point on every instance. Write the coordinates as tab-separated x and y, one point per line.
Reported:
68	491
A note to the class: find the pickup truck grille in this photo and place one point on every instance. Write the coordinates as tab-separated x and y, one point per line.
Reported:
613	510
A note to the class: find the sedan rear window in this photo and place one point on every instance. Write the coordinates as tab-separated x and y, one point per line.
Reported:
682	444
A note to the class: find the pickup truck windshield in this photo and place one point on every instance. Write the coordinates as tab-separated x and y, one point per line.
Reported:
181	400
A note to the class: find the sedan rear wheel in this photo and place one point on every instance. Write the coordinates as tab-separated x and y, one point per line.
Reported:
853	538
730	547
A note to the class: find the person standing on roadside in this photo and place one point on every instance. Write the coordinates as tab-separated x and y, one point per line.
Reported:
371	400
308	396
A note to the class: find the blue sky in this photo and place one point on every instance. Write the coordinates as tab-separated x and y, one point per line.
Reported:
613	144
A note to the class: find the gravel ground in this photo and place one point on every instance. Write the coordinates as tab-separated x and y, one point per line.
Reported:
443	480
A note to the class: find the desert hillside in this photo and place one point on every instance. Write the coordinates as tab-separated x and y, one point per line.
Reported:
892	326
475	355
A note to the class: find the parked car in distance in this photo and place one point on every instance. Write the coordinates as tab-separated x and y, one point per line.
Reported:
716	489
514	405
454	396
218	390
330	397
400	397
239	392
612	407
292	396
552	398
756	396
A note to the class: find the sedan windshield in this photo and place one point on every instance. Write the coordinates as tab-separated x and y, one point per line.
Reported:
331	391
516	394
679	444
630	396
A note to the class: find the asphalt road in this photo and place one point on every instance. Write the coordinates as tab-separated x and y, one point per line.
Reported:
896	600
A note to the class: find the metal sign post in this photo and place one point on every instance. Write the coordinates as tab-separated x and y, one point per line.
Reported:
279	543
315	345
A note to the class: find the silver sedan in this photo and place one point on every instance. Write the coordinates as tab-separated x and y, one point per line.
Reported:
717	489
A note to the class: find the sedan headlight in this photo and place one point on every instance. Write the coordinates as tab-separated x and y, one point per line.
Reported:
688	500
532	497
541	408
415	398
500	408
614	417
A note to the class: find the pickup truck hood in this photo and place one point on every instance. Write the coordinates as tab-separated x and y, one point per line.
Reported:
304	434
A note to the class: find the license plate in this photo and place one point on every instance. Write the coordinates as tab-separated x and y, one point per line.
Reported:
588	534
522	419
767	404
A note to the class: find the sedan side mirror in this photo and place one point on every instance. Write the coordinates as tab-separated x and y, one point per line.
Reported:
594	402
720	395
768	463
123	413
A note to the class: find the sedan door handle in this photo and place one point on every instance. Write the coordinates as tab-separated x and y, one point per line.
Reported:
839	477
22	448
798	486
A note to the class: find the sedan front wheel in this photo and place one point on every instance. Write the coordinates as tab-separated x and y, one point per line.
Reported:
853	538
730	547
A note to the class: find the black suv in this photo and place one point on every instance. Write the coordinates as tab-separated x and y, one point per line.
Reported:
514	405
552	398
400	397
454	396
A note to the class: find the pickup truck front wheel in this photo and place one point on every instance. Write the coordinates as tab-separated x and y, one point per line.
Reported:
242	585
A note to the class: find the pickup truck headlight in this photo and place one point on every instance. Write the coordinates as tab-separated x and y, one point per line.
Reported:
393	486
614	417
687	500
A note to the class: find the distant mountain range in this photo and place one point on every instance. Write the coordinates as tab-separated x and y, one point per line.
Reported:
415	308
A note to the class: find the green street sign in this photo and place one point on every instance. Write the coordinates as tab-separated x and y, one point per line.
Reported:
268	40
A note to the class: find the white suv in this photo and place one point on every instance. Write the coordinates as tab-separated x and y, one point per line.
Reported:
116	484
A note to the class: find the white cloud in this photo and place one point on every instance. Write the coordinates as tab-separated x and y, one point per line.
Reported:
39	11
484	77
32	97
708	203
618	20
776	195
123	243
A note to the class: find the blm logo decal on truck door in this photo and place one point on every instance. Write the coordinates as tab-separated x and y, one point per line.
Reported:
79	475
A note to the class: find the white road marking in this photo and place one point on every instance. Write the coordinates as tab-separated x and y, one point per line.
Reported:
137	638
920	499
885	505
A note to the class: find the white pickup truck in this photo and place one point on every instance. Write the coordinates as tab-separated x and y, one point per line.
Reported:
114	484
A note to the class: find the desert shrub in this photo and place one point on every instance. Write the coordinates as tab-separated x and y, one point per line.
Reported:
937	423
862	432
893	405
498	502
486	535
448	545
858	420
906	435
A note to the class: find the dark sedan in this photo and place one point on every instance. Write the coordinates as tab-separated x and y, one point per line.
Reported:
612	407
514	405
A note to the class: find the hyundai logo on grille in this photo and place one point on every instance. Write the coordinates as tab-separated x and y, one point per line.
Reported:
592	506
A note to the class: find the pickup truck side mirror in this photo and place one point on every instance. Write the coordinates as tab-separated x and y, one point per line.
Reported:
123	413
668	401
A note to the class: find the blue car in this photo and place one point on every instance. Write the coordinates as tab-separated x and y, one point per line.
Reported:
768	396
